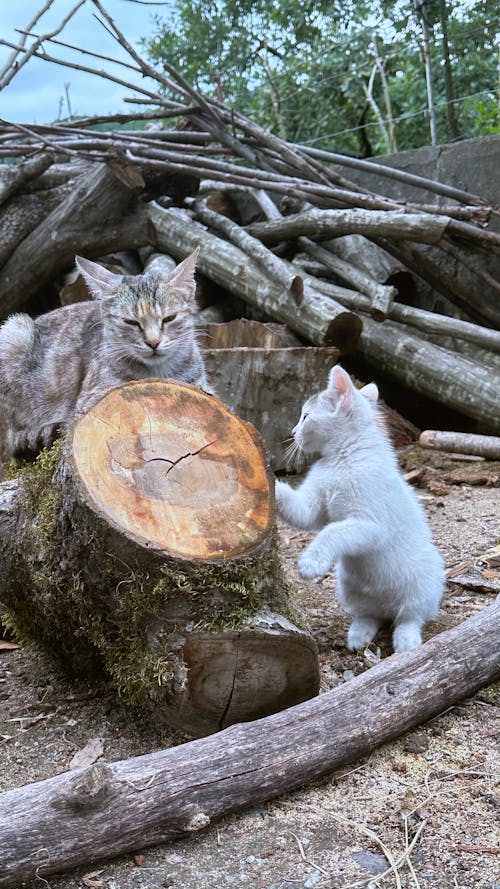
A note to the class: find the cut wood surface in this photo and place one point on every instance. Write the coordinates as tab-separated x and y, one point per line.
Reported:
147	544
109	808
174	470
255	373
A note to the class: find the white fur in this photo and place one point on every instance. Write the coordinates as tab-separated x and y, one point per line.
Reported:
372	526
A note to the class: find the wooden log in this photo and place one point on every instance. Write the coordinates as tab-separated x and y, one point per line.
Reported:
321	224
380	295
101	214
369	257
149	546
450	379
440	326
254	372
315	318
14	177
462	443
108	809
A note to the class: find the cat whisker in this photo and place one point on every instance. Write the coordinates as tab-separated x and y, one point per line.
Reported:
293	454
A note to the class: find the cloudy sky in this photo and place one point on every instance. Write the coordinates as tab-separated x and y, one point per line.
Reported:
37	91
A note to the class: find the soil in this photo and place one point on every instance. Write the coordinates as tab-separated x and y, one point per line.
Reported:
436	789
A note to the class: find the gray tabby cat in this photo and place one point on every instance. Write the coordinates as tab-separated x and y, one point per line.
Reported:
135	327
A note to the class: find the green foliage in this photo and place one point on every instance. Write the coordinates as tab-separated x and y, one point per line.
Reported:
303	69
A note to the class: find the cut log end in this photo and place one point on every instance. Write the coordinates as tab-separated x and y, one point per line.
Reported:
175	470
344	331
244	674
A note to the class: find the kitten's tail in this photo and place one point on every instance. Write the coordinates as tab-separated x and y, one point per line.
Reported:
17	337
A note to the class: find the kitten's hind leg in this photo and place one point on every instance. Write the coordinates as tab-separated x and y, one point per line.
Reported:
407	635
362	631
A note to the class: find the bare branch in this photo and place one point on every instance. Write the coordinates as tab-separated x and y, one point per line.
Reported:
28	53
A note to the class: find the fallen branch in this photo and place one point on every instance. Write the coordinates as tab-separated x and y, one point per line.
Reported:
462	443
321	224
101	214
452	380
380	295
429	322
108	809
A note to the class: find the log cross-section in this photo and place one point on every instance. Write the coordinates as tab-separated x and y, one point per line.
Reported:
176	469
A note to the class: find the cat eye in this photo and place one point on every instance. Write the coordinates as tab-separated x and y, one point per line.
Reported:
169	318
132	322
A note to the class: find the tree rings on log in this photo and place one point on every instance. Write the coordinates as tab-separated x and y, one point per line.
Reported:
175	470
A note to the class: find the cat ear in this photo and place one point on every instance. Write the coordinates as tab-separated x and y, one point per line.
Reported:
182	278
370	392
339	384
99	280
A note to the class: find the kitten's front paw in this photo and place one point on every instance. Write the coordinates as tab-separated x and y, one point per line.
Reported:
311	567
280	491
361	632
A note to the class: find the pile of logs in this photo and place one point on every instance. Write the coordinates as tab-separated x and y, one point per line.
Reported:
283	234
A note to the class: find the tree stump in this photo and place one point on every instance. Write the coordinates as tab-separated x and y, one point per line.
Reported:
265	380
145	543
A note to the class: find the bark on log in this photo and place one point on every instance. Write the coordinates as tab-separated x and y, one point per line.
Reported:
254	372
108	809
452	380
321	224
316	318
381	296
15	177
462	443
149	546
439	326
100	215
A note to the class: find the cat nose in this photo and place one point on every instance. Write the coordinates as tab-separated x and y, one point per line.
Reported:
154	343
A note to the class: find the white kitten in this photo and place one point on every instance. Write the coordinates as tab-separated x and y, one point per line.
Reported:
372	525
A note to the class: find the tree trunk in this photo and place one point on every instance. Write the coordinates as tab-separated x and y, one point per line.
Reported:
108	809
148	546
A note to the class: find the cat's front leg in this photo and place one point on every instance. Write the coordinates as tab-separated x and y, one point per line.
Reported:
407	635
296	506
362	631
349	537
314	562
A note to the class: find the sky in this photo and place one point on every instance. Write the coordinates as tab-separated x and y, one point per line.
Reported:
37	93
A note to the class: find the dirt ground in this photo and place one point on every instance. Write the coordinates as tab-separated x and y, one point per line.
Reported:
435	791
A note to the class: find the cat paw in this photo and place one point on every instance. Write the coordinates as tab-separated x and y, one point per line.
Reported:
280	490
361	633
310	567
406	637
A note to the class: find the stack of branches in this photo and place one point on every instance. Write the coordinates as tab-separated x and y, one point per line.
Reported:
329	269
